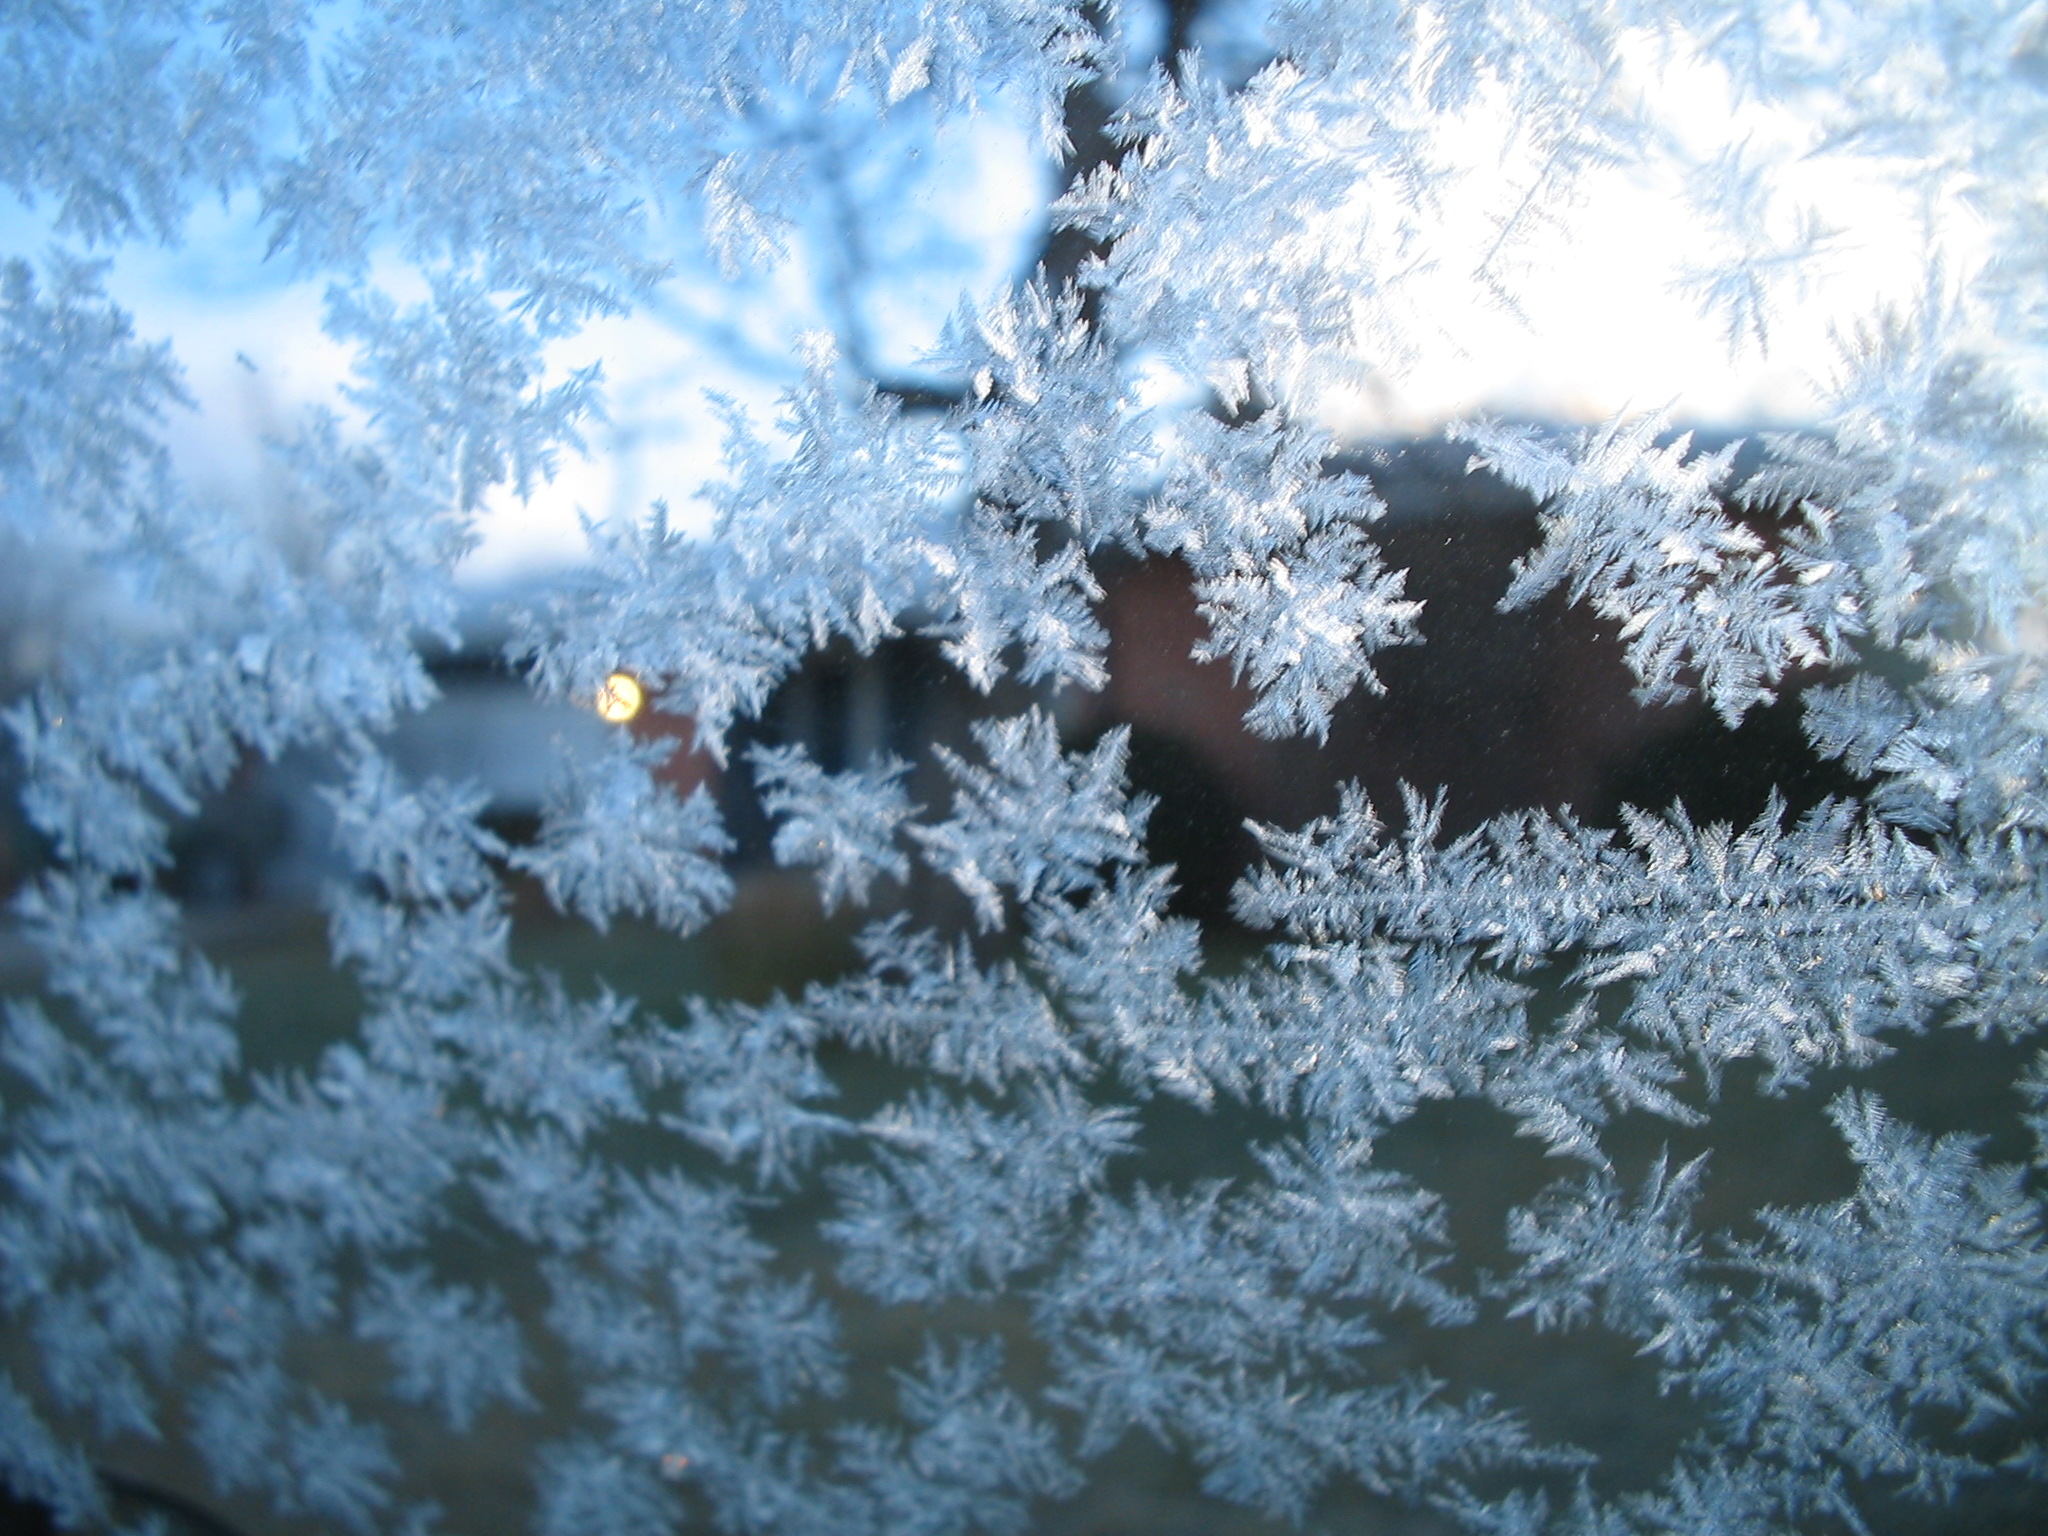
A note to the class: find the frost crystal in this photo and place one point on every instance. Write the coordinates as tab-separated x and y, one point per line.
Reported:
845	823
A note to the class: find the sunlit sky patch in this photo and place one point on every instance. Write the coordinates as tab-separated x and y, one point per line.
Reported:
1609	315
1604	328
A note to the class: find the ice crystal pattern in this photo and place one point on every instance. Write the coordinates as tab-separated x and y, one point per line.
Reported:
180	1231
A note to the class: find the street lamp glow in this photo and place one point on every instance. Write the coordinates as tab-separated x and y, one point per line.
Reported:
620	698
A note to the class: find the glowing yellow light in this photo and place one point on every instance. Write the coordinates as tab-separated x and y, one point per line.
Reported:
620	698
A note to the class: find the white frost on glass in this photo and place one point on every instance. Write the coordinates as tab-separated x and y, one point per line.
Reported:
180	1227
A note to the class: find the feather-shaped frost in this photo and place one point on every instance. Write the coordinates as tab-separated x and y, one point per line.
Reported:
1035	821
927	1002
1637	1264
843	823
1300	627
958	1199
1636	530
617	839
974	1456
454	1346
1921	1291
1052	429
458	382
748	1076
